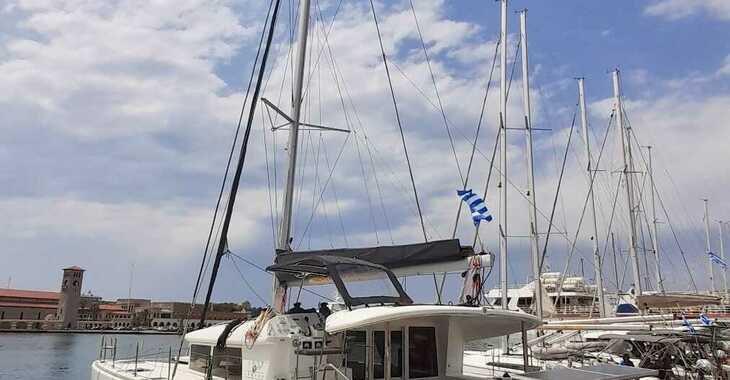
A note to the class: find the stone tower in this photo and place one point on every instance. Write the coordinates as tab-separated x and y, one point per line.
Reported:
68	303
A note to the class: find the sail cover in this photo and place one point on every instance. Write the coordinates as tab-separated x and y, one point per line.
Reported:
396	256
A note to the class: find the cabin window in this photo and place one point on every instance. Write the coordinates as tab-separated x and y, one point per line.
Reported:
199	357
227	362
355	343
396	354
422	356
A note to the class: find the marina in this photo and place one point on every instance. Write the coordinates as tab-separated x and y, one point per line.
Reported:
412	190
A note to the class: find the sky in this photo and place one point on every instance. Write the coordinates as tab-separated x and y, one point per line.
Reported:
118	118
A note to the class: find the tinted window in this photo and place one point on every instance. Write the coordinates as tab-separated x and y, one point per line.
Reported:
422	357
227	362
199	357
396	354
356	354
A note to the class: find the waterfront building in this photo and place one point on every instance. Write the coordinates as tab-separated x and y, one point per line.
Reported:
70	297
70	309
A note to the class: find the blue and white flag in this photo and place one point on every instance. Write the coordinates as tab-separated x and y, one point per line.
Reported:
477	206
689	326
717	260
705	319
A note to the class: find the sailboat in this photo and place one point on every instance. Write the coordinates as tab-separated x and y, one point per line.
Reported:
366	334
373	329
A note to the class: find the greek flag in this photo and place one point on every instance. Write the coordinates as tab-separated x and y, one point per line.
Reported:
686	323
477	206
717	260
705	319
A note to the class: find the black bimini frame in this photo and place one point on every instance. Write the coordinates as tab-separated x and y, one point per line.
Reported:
294	267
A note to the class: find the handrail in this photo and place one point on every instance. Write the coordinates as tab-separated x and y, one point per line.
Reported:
333	367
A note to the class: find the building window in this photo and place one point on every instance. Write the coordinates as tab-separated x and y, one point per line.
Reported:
422	356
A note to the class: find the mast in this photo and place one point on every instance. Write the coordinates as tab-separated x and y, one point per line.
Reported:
286	220
534	238
594	238
720	224
503	163
628	172
654	232
708	248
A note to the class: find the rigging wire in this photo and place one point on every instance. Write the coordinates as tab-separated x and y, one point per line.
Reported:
273	5
666	213
557	192
336	73
241	160
367	192
268	179
438	95
259	267
476	137
248	284
397	117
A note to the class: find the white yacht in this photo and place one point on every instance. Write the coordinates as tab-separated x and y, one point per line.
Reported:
577	298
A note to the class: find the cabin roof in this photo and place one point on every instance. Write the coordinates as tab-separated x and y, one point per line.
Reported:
500	322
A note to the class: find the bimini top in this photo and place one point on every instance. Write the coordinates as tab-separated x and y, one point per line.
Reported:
399	256
296	267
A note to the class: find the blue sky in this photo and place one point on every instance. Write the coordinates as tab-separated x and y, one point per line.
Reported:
117	118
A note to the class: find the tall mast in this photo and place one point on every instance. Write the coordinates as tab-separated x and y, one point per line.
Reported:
534	238
628	172
594	238
503	163
654	232
286	220
708	247
720	224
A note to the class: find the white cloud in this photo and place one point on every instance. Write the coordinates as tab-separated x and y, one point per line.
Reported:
678	9
120	121
725	68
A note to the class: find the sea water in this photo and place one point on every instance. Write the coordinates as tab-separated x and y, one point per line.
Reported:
61	356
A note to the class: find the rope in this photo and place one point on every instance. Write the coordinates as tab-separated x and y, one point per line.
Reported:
397	117
438	96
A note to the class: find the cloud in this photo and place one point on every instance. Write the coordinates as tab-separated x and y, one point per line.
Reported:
725	68
678	9
122	114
